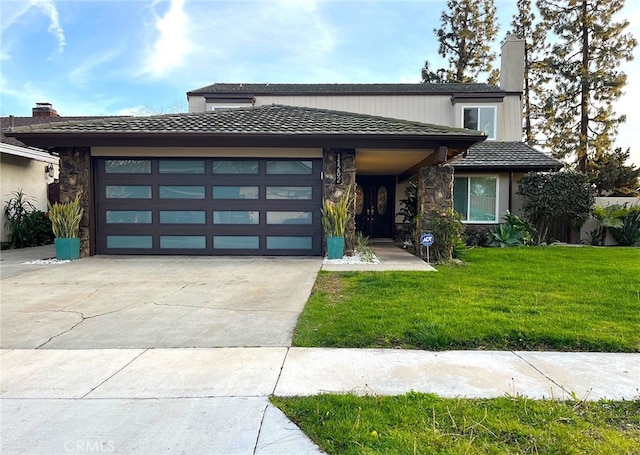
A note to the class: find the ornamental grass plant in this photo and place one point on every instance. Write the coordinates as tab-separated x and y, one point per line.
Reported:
335	214
65	218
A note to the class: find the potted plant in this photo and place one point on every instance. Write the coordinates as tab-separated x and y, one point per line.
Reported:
334	221
65	222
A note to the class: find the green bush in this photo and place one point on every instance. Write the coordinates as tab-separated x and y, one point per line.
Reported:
504	235
549	197
27	226
628	232
447	230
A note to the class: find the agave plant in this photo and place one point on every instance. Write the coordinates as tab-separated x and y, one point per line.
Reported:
335	215
504	235
65	218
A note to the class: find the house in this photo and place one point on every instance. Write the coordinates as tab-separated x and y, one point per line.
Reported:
246	170
485	183
24	168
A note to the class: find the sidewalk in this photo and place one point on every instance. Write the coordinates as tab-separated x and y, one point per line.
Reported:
215	401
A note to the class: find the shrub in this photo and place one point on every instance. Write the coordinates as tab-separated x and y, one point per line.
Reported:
504	235
555	196
628	232
363	248
27	226
447	229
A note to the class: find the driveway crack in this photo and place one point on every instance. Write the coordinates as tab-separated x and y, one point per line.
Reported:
82	319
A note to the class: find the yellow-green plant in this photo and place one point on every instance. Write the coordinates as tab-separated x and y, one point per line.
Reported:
336	214
65	218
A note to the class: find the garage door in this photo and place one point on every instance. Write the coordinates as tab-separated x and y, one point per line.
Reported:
208	206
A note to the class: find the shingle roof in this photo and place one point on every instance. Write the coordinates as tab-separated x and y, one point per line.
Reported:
505	155
262	120
342	89
5	123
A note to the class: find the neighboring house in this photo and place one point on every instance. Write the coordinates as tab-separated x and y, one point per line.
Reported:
24	168
246	171
33	170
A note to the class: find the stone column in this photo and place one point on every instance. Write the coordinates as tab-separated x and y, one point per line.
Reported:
339	168
435	193
75	178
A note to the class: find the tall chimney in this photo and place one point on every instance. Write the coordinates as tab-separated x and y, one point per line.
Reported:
44	110
512	64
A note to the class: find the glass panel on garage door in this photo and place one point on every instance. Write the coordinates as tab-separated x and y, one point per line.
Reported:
208	206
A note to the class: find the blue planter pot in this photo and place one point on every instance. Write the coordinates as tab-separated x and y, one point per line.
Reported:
67	249
335	247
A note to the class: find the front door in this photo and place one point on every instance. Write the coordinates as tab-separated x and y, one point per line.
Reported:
375	202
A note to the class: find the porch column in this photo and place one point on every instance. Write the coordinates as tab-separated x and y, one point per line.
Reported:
435	193
75	178
339	170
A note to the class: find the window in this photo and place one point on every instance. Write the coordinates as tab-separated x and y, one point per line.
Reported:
481	119
475	197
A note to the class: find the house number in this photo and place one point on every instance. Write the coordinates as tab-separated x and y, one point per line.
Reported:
339	168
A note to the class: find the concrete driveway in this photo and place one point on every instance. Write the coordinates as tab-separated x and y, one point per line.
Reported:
155	302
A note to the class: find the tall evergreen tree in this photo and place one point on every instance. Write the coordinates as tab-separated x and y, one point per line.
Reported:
610	174
585	80
526	26
468	28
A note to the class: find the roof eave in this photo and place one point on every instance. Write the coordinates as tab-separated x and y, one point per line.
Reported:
402	141
505	168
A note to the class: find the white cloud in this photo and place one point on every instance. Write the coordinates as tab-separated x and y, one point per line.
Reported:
81	74
12	12
172	44
50	10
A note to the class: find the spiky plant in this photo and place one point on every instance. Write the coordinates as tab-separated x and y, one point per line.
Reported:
65	218
336	214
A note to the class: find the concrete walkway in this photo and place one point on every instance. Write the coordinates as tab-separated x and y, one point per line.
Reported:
215	400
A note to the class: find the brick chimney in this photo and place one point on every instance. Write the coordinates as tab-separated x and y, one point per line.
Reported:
44	110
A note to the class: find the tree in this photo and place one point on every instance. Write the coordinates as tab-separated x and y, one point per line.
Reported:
582	66
525	26
468	28
609	174
549	197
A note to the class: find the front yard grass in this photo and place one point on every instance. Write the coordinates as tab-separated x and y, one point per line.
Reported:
426	424
536	298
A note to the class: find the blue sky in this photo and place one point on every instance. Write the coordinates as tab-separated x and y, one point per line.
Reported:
117	57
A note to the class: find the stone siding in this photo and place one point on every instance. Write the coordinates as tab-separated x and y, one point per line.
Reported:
334	191
75	178
435	193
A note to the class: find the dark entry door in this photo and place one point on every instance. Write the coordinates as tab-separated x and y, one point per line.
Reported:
375	202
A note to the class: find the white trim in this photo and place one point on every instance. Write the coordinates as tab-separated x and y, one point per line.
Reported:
31	153
495	118
497	207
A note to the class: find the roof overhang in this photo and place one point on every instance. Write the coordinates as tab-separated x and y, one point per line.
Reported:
44	140
33	154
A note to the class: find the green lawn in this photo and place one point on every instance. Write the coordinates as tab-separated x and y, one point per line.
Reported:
536	298
425	424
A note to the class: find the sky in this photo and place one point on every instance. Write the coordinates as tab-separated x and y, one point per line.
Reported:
122	57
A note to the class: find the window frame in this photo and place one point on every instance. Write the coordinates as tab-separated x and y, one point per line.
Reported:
495	119
496	220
